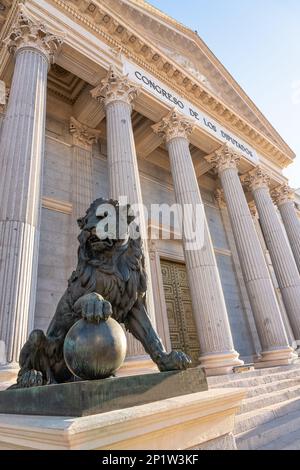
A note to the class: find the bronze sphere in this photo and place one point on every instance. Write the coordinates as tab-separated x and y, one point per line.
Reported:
94	351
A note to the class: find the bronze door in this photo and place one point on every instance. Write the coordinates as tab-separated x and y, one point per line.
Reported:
179	309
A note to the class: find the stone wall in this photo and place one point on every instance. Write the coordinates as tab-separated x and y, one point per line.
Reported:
58	231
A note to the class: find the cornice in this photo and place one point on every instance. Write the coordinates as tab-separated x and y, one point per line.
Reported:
113	30
193	37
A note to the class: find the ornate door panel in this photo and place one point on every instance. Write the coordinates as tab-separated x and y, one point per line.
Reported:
179	308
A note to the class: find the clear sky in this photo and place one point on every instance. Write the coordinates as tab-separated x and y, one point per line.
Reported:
258	41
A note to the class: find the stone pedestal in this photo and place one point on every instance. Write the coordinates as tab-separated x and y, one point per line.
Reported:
218	355
85	398
283	261
21	157
272	334
202	420
284	198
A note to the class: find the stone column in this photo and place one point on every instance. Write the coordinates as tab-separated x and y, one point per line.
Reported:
270	328
258	228
283	261
21	157
4	93
218	355
118	95
284	198
82	172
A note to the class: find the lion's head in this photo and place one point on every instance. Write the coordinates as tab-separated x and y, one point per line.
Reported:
104	227
106	244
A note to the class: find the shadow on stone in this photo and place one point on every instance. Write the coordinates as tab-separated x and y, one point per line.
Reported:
93	397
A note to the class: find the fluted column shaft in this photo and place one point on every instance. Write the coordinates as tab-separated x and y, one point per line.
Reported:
218	355
292	226
284	198
283	261
21	153
257	278
21	156
82	173
118	95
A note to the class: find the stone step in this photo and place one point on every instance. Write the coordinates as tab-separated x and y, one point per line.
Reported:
290	443
254	377
214	380
267	388
269	434
253	419
268	399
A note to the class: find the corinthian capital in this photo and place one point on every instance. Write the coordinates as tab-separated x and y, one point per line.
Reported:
223	158
283	194
115	87
83	135
27	33
256	178
174	125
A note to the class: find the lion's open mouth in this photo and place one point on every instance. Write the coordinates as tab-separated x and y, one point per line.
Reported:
98	244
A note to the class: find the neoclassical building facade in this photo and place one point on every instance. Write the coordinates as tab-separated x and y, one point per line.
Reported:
111	98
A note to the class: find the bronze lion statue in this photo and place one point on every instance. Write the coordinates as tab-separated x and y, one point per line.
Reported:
110	280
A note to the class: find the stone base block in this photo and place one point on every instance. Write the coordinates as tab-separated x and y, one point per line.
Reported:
100	396
185	422
220	363
276	358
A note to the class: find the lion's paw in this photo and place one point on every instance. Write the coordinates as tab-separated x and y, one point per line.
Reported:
93	308
176	360
31	378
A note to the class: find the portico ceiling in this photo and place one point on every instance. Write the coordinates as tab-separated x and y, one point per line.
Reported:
64	84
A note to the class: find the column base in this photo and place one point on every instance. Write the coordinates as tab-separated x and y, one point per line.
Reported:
220	363
278	357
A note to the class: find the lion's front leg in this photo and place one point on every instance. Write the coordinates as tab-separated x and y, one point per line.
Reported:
140	326
93	308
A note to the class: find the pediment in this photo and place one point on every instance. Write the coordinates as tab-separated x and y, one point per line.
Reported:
185	47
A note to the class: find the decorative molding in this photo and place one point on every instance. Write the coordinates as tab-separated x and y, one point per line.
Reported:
253	210
4	97
283	194
114	30
174	126
83	136
115	87
57	206
224	158
220	198
256	178
26	33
